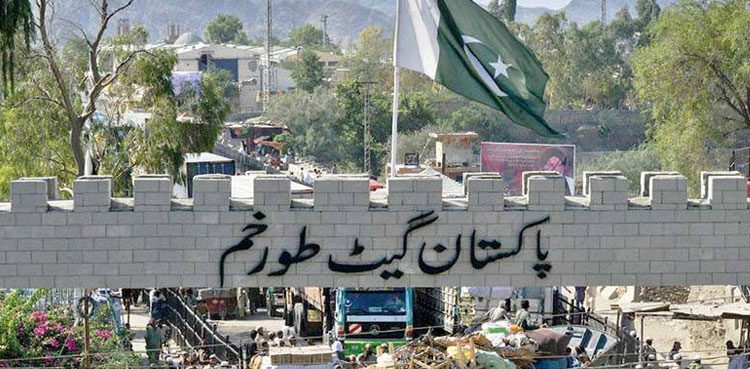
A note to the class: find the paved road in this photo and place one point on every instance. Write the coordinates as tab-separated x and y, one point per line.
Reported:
139	318
239	330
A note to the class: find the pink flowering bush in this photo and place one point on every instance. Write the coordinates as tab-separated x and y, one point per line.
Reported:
51	336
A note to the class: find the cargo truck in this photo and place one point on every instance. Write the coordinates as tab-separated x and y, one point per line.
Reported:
372	315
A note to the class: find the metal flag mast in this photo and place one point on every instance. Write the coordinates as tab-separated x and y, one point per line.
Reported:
394	123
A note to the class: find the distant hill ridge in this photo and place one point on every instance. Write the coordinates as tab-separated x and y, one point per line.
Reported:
346	18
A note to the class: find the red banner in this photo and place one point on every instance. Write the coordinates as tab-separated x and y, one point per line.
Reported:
510	160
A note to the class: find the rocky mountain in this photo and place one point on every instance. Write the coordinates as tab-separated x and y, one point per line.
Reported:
345	17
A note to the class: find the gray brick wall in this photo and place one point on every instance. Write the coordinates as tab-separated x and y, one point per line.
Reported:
602	238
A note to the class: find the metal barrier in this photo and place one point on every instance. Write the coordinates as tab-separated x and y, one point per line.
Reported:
191	330
745	290
626	350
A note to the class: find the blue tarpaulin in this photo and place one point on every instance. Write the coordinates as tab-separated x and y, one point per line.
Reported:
181	80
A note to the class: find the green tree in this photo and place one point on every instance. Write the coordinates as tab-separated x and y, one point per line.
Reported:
16	18
225	29
189	122
494	9
308	71
306	36
631	163
509	11
648	11
138	35
367	62
694	77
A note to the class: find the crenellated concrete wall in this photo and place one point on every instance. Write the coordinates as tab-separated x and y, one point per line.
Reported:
345	237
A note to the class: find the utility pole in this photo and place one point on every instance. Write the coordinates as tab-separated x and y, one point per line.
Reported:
326	40
367	161
267	80
604	12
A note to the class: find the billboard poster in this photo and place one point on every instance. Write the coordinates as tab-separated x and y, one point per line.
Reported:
510	160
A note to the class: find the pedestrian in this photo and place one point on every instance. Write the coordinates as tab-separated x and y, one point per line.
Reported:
272	339
627	322
522	317
580	297
338	347
252	347
261	334
158	306
648	348
280	338
737	357
367	357
264	347
582	356
696	364
676	347
186	360
153	341
571	359
213	362
677	358
190	297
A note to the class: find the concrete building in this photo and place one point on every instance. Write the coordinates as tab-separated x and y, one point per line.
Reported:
244	63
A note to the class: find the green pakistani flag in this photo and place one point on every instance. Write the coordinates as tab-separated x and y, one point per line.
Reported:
461	46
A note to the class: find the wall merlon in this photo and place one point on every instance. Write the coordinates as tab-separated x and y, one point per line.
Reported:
668	191
706	175
211	192
92	193
29	195
646	181
484	193
545	192
607	192
272	192
727	192
526	175
152	193
587	178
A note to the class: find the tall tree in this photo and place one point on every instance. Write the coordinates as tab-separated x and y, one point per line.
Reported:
16	16
509	11
97	80
308	71
306	36
226	28
695	77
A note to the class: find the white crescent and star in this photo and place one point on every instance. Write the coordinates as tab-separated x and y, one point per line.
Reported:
500	67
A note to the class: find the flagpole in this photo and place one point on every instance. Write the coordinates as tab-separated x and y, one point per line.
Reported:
394	123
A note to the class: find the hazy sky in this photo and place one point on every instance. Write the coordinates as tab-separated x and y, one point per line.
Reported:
552	4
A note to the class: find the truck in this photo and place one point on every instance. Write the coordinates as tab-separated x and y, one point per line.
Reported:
395	315
370	315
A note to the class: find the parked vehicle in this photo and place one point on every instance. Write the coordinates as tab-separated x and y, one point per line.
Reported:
219	303
373	315
275	301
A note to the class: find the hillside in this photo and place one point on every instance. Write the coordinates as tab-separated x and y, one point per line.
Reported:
346	17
